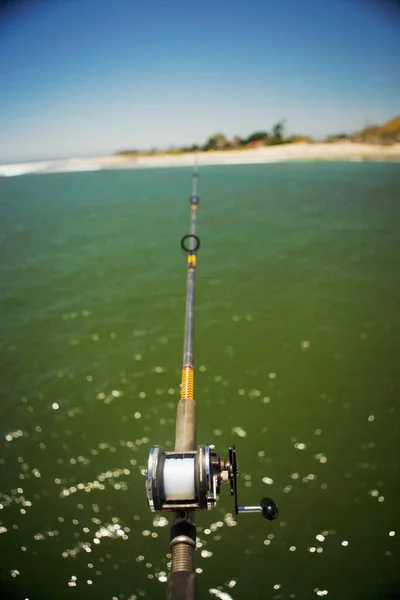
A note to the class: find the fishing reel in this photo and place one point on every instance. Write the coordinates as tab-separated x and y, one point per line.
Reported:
178	481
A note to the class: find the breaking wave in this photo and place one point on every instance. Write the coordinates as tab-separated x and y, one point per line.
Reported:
51	166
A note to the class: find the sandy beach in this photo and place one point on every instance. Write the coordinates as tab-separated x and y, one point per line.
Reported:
284	152
267	154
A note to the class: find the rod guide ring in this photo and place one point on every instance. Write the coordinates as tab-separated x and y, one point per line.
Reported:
190	236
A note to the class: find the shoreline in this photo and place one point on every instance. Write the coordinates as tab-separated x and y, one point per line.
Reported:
266	154
312	152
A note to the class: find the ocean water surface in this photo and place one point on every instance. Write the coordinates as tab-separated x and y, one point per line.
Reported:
297	362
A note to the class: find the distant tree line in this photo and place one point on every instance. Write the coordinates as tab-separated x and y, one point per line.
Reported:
219	141
388	133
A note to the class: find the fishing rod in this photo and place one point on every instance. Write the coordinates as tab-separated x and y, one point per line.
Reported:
189	478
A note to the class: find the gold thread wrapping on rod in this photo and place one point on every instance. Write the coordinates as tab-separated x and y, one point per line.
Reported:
187	385
191	262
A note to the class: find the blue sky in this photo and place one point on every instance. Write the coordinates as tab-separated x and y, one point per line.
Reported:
82	77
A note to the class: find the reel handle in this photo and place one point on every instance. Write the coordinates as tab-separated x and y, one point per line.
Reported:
267	508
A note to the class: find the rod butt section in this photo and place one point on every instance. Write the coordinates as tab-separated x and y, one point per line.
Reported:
181	586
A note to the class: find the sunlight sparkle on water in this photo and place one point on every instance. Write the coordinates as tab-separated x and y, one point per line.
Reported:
238	431
219	594
267	480
300	446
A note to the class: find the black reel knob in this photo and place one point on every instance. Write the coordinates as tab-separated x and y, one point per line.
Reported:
269	509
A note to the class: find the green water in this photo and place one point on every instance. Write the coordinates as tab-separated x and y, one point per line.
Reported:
297	351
